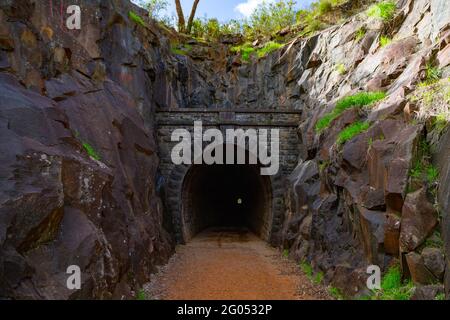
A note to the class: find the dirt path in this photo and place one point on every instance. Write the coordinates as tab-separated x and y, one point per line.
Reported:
229	265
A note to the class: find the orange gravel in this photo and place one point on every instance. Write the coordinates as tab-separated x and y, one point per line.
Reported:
231	265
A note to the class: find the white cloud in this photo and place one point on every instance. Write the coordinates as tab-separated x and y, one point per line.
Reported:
246	8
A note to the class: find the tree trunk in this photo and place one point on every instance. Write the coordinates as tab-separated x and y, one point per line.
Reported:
181	22
192	16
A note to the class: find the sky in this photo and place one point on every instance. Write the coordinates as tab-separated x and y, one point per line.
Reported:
225	10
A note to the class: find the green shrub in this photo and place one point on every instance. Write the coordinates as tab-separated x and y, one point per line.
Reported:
360	33
318	278
136	18
432	75
351	131
393	288
392	279
307	269
285	253
384	41
416	171
384	10
246	50
141	295
324	6
357	100
432	174
336	293
440	296
268	48
269	18
91	151
421	170
435	241
440	122
340	68
312	25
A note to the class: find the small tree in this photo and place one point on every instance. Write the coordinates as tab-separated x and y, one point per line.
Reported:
192	16
155	7
181	21
269	18
180	14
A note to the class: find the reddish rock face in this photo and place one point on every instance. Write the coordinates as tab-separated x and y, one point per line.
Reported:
392	235
59	204
419	217
372	227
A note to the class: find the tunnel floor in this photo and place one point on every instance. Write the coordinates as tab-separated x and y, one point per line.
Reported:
231	264
226	196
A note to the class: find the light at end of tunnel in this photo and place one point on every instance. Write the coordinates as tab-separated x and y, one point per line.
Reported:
239	201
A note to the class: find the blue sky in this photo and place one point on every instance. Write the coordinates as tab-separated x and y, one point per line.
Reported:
225	10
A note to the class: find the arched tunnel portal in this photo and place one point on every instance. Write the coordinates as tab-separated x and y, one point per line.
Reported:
200	196
230	196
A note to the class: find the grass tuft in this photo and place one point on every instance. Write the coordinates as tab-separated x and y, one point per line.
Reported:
432	75
440	296
336	293
141	295
91	151
246	50
357	100
307	269
360	34
269	47
136	18
393	288
421	170
341	69
351	131
384	10
385	41
318	278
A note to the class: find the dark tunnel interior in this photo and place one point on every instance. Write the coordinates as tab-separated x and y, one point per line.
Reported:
235	196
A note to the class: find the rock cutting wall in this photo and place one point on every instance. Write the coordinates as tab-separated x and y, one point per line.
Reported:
63	93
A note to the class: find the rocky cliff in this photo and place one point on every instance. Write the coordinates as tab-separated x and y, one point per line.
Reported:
79	170
78	158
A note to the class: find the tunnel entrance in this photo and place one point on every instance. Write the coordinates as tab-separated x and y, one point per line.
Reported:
230	196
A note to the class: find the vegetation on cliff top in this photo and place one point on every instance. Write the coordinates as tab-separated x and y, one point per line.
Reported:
275	22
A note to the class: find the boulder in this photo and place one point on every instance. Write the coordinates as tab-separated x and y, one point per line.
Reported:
372	230
419	272
434	261
372	198
429	292
419	218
